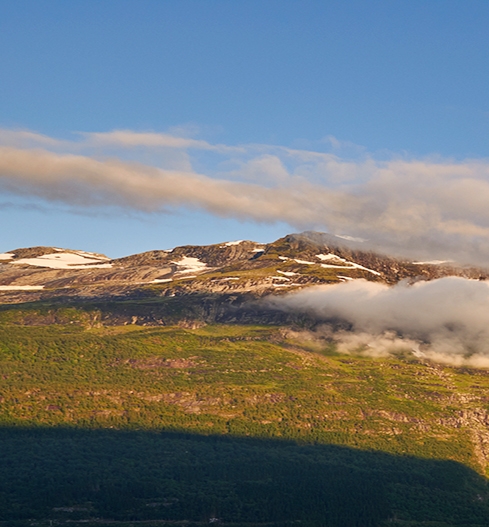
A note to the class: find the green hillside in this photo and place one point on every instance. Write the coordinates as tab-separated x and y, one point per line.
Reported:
129	425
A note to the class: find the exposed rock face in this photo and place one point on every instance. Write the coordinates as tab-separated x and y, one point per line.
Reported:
292	262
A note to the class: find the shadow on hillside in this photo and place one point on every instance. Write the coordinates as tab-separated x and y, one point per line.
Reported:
68	475
141	309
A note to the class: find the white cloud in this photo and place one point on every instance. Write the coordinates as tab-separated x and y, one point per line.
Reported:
425	209
131	139
83	180
446	319
26	138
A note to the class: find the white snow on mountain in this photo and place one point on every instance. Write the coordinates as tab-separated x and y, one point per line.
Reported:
188	264
433	262
21	287
344	264
303	262
6	256
61	260
287	273
229	244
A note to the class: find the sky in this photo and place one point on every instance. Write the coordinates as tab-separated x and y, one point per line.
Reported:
134	125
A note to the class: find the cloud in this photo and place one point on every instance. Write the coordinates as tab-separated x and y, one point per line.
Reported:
131	139
422	209
266	169
81	180
446	320
27	138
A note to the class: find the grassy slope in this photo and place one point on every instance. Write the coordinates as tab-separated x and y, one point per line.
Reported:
249	385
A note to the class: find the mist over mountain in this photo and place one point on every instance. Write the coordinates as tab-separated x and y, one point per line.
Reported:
359	299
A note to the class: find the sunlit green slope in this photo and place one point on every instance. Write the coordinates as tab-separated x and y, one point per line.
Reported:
234	422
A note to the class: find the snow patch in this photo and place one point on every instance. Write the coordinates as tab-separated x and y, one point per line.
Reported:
161	280
6	256
229	244
304	262
95	256
348	264
433	262
189	264
258	251
61	260
21	287
287	273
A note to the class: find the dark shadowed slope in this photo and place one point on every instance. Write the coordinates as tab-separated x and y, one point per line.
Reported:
104	477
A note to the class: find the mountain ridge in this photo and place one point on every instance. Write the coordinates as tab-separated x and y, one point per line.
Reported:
217	373
292	262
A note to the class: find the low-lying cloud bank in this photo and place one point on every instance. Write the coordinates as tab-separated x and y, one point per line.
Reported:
424	209
446	320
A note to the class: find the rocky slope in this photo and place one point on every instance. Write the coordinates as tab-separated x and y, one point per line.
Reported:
243	267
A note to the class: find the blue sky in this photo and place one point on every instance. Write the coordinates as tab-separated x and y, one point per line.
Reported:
353	108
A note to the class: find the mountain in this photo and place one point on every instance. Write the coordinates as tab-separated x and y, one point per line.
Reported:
161	389
241	267
119	426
